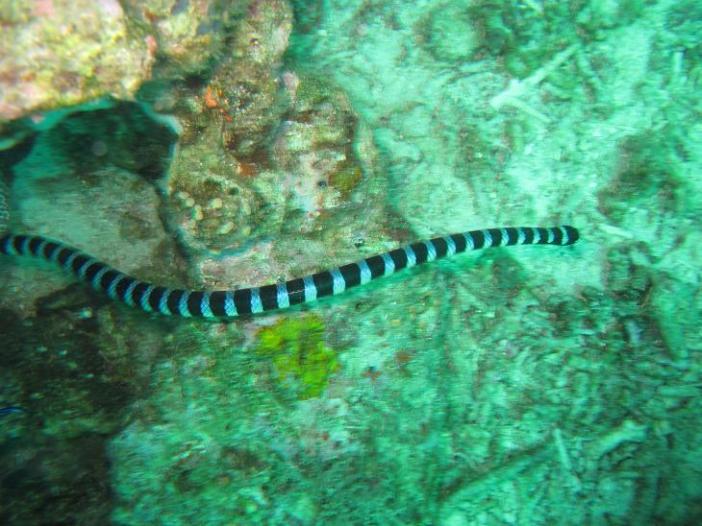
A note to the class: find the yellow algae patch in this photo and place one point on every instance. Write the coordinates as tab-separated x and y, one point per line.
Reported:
301	359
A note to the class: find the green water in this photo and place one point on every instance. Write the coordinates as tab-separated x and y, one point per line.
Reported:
533	385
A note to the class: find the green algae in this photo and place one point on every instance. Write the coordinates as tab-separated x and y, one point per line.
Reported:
303	362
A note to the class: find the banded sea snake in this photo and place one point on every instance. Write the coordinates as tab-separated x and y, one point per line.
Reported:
231	303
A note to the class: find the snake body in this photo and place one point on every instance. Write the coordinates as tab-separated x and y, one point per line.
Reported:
230	303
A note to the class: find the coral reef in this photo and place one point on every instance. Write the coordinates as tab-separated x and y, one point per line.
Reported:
261	145
520	387
218	178
187	36
58	53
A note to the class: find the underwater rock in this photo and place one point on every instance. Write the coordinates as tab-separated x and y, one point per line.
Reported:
266	152
246	87
58	53
314	148
214	177
71	376
186	34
